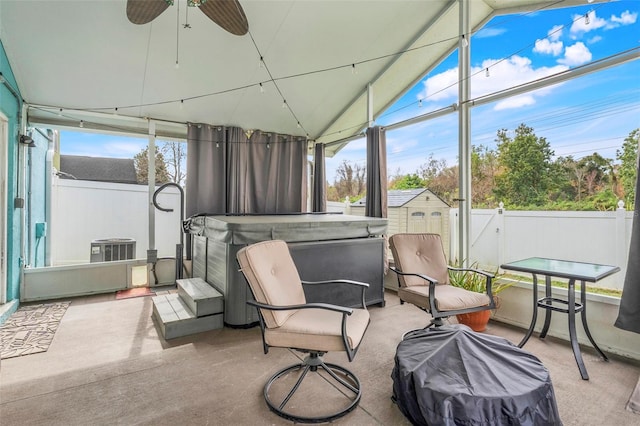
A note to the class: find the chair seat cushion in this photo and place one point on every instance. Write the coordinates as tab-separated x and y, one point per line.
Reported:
448	297
319	330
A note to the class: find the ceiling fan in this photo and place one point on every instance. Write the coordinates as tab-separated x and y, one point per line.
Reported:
226	13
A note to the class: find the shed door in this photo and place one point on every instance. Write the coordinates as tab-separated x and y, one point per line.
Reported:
417	220
434	223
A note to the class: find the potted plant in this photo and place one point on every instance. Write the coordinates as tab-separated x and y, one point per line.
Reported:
469	280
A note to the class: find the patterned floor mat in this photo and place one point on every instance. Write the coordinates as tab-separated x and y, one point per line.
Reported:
30	329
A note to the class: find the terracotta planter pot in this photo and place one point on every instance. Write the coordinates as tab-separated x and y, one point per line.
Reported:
477	321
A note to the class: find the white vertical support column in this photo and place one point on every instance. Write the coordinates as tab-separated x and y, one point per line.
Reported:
369	105
622	248
152	253
464	132
500	233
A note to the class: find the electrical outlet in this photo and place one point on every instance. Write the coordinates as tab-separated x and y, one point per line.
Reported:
41	229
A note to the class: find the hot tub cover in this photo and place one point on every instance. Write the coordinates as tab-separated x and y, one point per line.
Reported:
249	229
451	375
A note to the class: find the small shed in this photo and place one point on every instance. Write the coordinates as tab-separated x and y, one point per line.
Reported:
413	210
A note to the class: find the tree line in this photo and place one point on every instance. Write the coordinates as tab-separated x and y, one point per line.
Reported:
521	172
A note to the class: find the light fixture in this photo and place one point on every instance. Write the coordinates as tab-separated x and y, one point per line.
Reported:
181	103
81	125
284	103
193	3
60	112
419	103
353	69
261	88
27	140
586	18
487	72
261	62
465	42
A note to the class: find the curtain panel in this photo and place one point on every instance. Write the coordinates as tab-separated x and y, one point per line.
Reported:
629	311
376	201
319	194
231	171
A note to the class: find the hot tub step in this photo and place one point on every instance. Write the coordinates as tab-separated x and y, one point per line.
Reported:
174	318
201	298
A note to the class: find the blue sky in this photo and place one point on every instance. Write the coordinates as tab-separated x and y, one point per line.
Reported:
588	114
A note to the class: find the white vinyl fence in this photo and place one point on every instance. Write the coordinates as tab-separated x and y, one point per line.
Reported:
84	211
499	236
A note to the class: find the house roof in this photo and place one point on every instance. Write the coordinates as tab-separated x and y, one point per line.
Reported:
83	60
396	197
118	170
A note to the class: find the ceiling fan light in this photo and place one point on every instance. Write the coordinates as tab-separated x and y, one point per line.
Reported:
195	3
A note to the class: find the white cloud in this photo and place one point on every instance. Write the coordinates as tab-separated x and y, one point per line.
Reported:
555	33
594	39
515	102
626	18
503	75
580	25
489	32
548	47
576	54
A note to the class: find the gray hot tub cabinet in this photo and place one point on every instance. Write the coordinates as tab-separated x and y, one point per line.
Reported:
322	246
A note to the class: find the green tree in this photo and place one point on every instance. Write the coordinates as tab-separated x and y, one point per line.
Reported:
628	168
410	181
440	179
484	168
526	168
141	164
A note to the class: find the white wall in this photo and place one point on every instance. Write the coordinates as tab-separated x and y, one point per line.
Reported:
595	237
83	211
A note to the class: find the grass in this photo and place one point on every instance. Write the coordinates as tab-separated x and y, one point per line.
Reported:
563	284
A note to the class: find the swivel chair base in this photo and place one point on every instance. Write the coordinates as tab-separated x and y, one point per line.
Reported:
339	377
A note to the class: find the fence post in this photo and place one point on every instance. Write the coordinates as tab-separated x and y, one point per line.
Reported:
622	249
500	233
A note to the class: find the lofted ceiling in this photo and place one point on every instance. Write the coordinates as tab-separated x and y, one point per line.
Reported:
83	60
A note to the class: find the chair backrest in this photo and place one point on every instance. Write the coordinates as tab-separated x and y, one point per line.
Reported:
273	278
419	254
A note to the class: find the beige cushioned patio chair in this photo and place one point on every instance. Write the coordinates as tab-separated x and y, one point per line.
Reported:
288	321
423	278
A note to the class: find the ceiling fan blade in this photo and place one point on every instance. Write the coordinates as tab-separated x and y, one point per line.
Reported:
144	11
228	14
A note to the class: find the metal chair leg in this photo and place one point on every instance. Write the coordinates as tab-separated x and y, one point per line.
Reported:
342	379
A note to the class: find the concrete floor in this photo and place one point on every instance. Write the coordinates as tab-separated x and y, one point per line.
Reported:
107	365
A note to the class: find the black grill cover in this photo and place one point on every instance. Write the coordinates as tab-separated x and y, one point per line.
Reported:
451	375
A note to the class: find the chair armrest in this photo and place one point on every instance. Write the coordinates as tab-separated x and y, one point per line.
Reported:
327	306
351	282
424	277
477	271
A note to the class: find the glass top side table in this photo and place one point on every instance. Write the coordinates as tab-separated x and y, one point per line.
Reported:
584	272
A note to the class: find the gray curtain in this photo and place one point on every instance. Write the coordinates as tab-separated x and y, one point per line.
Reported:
376	201
629	311
206	162
230	172
319	195
277	174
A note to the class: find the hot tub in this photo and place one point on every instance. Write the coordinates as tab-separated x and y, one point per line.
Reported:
323	246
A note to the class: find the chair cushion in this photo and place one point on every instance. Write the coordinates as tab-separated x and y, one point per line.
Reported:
273	278
448	297
419	254
319	330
